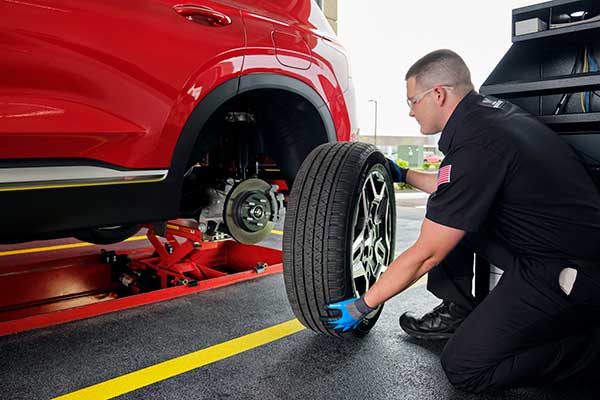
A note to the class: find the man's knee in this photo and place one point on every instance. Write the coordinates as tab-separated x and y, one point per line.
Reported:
465	374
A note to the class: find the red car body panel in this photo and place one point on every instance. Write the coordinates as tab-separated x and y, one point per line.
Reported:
84	91
72	87
315	69
117	93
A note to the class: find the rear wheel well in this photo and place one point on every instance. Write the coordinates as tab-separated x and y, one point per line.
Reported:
279	124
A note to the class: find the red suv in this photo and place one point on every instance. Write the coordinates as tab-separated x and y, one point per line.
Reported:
114	113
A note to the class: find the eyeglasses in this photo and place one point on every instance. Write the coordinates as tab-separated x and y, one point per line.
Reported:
412	101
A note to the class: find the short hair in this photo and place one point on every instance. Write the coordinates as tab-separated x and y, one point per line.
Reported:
442	67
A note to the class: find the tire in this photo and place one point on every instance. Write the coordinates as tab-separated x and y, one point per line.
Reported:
324	218
107	235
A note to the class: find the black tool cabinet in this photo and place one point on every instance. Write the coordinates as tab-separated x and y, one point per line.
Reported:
540	70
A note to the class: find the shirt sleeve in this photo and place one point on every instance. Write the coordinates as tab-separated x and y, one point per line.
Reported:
470	180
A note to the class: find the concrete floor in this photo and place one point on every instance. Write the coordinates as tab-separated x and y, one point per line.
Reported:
387	364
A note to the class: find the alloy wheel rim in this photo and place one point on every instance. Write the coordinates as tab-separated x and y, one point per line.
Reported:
372	233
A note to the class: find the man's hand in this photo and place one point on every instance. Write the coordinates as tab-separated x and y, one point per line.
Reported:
398	173
353	312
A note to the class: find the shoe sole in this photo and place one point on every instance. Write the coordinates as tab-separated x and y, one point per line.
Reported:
427	336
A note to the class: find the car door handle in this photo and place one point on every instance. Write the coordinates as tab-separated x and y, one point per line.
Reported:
215	18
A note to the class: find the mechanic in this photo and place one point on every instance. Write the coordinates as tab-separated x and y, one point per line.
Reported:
510	190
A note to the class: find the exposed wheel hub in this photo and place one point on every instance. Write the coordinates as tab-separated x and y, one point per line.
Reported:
250	209
254	211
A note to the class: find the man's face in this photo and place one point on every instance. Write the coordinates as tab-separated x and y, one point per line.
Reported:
426	111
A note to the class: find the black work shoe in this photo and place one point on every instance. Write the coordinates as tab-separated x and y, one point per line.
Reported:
440	323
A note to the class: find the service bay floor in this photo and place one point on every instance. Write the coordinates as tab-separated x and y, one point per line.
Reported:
387	364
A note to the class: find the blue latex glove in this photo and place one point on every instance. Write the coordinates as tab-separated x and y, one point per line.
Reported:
398	173
353	312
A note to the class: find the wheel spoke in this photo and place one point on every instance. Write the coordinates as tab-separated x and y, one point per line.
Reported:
358	270
388	232
381	194
358	246
377	213
371	244
374	188
365	207
381	256
371	269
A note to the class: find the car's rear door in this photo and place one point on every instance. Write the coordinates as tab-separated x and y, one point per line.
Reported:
108	80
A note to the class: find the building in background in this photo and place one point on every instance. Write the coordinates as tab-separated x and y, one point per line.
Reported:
331	12
413	149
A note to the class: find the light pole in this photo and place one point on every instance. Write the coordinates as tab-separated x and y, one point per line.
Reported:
375	128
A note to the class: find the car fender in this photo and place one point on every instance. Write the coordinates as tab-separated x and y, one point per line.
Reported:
226	91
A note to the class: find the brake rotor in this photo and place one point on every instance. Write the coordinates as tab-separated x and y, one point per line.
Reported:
249	211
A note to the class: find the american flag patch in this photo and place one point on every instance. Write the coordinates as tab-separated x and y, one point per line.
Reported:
444	174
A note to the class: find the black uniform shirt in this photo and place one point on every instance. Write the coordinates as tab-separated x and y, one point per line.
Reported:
508	174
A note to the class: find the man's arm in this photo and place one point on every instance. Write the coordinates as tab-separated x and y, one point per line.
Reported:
434	243
425	181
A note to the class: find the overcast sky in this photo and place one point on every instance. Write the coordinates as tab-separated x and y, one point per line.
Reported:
385	37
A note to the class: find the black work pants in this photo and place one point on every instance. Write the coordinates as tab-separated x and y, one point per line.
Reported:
527	331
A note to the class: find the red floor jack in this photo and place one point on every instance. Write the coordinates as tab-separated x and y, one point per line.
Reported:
179	263
187	262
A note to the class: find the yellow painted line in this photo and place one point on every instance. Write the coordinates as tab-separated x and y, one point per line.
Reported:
275	231
168	369
58	247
